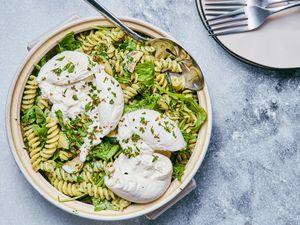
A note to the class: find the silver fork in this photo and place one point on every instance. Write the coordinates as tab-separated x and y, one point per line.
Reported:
218	7
242	20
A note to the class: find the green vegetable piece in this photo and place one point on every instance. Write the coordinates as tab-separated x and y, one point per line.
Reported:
41	63
69	67
68	43
60	117
34	114
28	115
104	204
128	45
178	170
167	76
145	72
194	106
149	102
41	131
105	151
88	106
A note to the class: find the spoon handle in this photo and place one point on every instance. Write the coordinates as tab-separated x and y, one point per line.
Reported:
107	14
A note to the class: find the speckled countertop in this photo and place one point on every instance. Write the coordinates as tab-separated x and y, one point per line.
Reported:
251	173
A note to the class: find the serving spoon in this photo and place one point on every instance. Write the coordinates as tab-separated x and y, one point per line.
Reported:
191	73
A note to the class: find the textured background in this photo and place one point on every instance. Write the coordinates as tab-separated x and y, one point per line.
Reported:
251	173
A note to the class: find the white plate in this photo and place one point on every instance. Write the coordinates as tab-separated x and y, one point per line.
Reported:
276	44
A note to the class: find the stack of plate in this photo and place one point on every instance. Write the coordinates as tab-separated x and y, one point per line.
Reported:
275	45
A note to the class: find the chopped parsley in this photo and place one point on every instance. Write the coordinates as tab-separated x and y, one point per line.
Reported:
75	97
57	71
135	137
69	67
88	107
155	157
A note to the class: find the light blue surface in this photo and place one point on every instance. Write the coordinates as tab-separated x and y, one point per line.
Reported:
251	173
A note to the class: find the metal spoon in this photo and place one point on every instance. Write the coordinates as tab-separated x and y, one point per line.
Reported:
191	73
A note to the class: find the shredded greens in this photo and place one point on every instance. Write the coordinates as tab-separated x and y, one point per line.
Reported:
104	151
145	72
68	43
149	102
34	114
178	170
128	45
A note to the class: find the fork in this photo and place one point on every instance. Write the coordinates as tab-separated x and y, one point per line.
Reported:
242	20
221	6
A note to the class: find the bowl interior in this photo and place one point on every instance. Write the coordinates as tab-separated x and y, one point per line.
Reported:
39	182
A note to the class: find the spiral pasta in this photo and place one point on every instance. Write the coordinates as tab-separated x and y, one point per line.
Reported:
70	189
52	138
167	64
60	174
183	157
30	93
64	155
177	84
160	78
98	192
48	166
121	203
131	91
97	166
34	147
190	94
89	42
192	142
42	103
145	49
147	58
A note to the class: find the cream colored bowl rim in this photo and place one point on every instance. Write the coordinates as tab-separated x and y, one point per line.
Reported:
55	202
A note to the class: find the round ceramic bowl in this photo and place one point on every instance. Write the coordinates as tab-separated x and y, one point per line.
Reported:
14	133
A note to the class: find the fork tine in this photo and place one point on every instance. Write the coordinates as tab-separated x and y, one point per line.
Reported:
221	9
232	31
213	14
230	14
231	26
225	3
229	20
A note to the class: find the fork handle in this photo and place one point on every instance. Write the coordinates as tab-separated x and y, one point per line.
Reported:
279	9
107	14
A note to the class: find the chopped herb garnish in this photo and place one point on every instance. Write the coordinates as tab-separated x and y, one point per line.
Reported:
155	157
60	59
135	137
75	97
88	106
69	67
57	71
